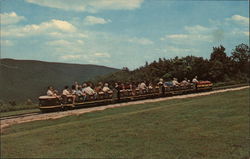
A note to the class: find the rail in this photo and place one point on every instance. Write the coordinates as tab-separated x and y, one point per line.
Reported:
37	113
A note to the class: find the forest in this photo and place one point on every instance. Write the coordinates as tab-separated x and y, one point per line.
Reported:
218	68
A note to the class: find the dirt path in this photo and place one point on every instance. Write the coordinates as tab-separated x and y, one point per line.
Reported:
56	115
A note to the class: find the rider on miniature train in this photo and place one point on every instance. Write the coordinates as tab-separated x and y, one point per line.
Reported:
87	92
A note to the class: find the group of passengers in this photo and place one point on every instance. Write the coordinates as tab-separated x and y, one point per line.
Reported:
88	89
84	90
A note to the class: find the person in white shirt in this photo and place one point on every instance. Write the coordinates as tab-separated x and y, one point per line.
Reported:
88	90
142	86
106	88
79	91
150	86
175	82
67	94
161	86
50	91
65	91
185	82
195	80
160	83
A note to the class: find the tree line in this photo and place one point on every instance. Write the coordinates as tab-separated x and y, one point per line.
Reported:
219	68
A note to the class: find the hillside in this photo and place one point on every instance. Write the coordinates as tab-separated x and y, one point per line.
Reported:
27	79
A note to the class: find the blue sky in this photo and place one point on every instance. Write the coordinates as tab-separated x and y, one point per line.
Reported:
124	33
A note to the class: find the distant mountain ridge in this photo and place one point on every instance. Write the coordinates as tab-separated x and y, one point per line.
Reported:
27	79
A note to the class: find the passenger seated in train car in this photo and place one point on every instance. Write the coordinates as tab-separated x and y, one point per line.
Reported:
79	91
73	89
133	84
91	85
99	87
107	91
150	85
195	80
160	83
66	93
50	91
106	88
184	82
175	82
127	86
88	90
161	86
73	92
80	94
76	85
117	89
142	87
168	84
122	85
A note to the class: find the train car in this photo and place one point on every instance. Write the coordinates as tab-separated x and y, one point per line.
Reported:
51	103
204	85
47	103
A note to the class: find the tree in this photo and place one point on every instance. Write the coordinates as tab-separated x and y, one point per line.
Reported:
218	54
219	64
241	58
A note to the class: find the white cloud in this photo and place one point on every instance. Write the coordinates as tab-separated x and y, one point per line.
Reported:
177	36
197	29
188	38
59	42
142	41
172	49
192	35
102	54
96	58
50	27
10	18
240	19
89	5
176	51
62	35
91	20
65	43
70	57
62	46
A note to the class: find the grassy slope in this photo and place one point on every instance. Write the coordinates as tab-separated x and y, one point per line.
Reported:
27	79
213	126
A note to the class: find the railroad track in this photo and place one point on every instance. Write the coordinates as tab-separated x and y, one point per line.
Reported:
230	86
37	113
19	115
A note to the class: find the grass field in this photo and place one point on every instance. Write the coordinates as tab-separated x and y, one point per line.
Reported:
215	126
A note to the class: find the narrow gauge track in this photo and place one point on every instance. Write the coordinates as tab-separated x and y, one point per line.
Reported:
19	115
38	113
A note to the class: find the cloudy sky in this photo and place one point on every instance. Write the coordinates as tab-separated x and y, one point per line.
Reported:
119	33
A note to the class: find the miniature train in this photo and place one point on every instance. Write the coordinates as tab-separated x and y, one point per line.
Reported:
52	103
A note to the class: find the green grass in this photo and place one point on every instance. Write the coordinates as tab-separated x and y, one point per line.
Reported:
206	127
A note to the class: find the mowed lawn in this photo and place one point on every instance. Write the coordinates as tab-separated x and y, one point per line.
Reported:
215	126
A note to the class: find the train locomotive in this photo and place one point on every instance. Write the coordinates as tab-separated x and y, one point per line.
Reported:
58	103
